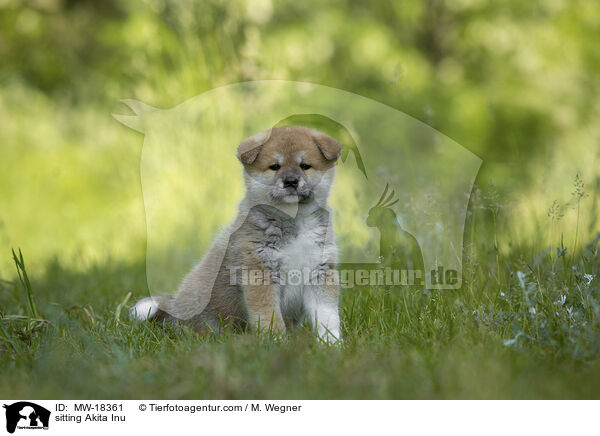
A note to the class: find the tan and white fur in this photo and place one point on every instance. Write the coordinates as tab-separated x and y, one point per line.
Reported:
283	224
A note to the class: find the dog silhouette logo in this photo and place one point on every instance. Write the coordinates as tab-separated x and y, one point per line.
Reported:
26	415
190	178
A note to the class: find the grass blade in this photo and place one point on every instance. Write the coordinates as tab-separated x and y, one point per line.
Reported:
21	271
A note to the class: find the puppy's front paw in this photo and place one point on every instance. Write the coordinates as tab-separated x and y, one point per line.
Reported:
330	337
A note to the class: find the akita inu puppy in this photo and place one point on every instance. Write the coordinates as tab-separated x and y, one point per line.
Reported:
275	264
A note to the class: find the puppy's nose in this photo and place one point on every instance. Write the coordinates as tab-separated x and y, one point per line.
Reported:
290	182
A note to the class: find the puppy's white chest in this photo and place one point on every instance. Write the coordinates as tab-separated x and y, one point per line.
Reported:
306	249
299	258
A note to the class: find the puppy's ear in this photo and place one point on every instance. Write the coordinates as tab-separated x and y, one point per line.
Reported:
330	148
249	148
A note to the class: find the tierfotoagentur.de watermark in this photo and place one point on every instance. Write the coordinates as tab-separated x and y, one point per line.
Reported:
345	278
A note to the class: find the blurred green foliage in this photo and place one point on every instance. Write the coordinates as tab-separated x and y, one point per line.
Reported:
501	78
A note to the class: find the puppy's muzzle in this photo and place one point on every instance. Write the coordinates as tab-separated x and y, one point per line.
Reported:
291	182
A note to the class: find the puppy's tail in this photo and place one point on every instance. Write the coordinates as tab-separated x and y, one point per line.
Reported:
145	309
152	308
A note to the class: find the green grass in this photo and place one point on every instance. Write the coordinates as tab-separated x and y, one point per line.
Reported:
530	332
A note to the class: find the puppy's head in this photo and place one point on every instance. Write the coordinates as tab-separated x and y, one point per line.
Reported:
289	164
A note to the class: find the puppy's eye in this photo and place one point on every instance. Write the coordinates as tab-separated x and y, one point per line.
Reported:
275	167
305	166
